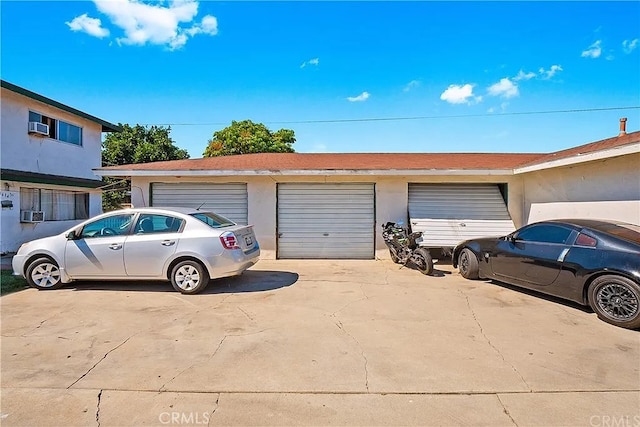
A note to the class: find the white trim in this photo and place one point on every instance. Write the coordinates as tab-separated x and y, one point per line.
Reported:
312	172
582	158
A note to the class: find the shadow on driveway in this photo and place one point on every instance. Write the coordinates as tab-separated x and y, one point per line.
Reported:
540	295
249	281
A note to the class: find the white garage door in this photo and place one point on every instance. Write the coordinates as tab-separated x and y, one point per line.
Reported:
326	221
450	213
229	200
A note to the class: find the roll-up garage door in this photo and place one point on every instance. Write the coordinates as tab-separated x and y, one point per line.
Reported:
229	200
326	221
450	213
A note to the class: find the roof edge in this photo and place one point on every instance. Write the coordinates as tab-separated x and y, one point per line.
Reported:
300	172
42	178
621	150
106	126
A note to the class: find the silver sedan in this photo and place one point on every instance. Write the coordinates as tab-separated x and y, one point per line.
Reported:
182	245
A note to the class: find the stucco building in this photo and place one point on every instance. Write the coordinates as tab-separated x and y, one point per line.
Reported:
49	151
333	205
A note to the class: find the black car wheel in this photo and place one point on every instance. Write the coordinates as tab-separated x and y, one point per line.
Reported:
422	260
468	264
189	277
44	273
616	300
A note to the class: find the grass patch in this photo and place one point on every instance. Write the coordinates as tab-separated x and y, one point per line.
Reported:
10	283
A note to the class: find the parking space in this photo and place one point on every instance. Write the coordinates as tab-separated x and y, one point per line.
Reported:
313	343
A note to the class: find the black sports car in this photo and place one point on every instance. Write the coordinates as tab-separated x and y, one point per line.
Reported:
591	262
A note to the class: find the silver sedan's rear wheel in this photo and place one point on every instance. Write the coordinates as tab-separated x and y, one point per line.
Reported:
616	300
189	277
43	273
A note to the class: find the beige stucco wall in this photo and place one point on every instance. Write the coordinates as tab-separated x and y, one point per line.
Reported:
391	198
606	189
25	152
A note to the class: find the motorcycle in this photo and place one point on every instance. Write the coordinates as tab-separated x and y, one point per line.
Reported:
404	248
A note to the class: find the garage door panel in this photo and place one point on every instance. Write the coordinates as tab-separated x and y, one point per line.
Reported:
326	220
447	214
227	199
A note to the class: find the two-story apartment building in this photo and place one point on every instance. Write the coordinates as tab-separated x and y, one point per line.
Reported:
48	152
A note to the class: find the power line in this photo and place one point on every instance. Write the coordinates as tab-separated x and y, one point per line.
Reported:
389	119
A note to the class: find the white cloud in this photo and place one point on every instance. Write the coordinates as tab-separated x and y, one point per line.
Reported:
593	51
460	94
411	85
314	61
629	46
547	74
169	23
504	88
362	97
91	26
524	76
208	25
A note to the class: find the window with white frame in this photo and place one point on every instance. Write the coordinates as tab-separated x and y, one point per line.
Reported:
56	205
58	129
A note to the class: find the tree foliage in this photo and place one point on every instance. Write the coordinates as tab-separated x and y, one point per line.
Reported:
246	137
135	144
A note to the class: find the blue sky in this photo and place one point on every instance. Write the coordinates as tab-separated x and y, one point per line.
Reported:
459	75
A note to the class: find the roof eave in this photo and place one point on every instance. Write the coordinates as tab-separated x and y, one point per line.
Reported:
106	126
581	158
302	172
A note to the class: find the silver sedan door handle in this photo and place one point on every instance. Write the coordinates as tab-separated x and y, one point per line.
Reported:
115	246
168	242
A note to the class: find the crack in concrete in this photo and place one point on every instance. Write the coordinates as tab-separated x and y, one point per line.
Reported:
163	386
26	334
103	357
365	297
222	301
214	411
245	313
473	313
506	411
366	362
98	408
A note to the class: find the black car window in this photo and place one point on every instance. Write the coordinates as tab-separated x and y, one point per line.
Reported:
153	223
544	233
586	240
114	225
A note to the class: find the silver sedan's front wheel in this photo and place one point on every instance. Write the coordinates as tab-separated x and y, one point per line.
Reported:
43	273
189	277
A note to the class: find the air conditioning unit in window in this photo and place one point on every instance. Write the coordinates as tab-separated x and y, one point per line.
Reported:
38	128
32	216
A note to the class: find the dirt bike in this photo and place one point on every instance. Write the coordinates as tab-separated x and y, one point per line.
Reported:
404	249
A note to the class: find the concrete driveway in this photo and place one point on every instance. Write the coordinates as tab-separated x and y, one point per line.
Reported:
313	343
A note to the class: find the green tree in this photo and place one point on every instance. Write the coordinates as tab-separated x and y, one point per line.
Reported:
135	144
246	137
